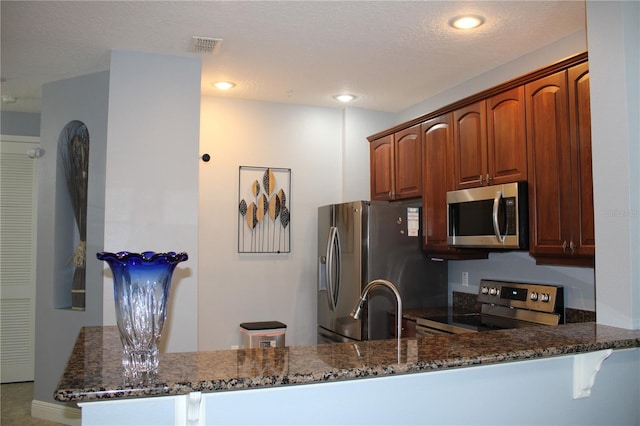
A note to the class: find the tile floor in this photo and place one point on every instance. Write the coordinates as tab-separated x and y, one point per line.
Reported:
16	406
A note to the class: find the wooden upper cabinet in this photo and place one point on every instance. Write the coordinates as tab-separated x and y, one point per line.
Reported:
506	137
549	164
437	179
535	128
490	141
470	145
396	167
437	176
560	178
582	187
408	172
382	168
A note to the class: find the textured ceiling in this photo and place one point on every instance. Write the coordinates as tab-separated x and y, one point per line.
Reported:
391	54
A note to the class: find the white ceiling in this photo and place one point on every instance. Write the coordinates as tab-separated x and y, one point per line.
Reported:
391	54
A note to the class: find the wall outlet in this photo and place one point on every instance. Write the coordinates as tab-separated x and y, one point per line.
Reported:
465	279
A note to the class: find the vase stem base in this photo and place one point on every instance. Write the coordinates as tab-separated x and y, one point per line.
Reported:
140	366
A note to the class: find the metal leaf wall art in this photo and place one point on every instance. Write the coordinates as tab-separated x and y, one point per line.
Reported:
264	210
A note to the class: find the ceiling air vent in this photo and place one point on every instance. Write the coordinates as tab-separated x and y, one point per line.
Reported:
206	45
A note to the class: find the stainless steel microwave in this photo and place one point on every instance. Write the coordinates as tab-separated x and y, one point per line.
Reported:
489	217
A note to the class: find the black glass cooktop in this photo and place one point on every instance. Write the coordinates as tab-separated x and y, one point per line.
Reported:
479	322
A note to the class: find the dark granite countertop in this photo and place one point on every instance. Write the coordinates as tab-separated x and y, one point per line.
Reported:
94	371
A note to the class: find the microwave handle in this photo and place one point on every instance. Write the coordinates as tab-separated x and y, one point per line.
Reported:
496	206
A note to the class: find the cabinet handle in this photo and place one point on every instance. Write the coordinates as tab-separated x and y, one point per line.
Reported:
481	179
571	246
488	178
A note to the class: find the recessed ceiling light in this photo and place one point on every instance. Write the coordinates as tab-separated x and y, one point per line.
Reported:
466	22
224	85
345	97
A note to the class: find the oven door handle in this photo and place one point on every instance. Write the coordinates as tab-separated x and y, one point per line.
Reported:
496	226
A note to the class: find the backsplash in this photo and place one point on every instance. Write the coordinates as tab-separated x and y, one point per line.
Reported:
464	303
579	315
518	266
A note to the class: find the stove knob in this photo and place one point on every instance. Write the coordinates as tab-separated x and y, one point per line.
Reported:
493	291
544	297
485	290
534	296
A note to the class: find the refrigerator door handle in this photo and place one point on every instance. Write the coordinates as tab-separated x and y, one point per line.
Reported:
333	267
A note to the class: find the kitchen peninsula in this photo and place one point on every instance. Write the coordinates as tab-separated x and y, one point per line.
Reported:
368	382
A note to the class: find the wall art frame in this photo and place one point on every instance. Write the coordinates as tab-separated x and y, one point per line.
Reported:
264	210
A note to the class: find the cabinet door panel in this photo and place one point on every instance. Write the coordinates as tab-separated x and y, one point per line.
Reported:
470	141
436	172
549	163
580	125
382	168
408	166
507	145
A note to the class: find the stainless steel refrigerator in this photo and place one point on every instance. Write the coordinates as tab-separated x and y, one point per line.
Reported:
361	241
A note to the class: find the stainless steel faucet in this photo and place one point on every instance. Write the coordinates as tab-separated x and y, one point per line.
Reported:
363	300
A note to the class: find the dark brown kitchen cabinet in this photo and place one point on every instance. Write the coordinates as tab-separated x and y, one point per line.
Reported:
506	138
437	179
580	127
382	168
560	171
490	141
395	166
470	145
535	128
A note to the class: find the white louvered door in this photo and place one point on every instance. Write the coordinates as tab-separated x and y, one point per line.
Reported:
18	185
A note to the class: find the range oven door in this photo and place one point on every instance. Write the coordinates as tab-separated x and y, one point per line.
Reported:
422	331
436	326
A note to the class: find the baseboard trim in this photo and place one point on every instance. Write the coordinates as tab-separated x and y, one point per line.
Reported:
56	413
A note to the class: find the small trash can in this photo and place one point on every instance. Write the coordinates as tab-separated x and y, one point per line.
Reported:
264	334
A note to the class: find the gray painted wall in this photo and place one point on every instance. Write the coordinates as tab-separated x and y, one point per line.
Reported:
19	123
151	196
120	107
568	46
614	52
84	99
532	392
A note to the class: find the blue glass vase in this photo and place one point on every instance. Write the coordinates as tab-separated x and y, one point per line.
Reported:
141	284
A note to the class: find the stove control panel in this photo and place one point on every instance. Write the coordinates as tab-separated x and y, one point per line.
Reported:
537	297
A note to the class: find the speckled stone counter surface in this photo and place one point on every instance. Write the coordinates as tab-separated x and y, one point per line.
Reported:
94	370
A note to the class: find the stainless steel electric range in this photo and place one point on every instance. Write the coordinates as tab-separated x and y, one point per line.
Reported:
503	305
